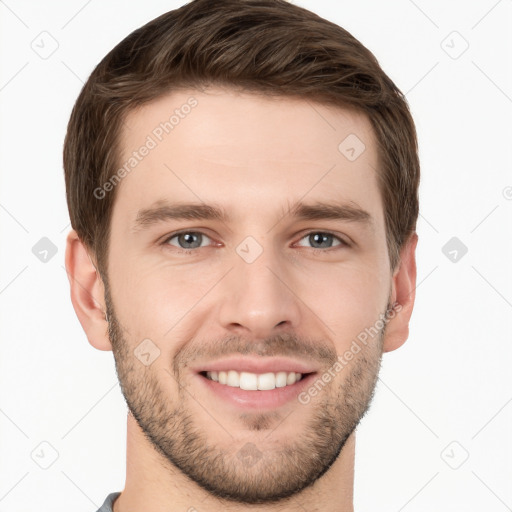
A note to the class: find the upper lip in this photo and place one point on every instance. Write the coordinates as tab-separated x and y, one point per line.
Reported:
257	365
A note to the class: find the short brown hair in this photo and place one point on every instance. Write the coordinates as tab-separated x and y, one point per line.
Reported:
268	47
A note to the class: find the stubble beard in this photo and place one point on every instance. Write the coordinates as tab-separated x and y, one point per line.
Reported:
246	471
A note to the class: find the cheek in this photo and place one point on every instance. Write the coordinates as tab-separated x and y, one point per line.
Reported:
155	299
348	300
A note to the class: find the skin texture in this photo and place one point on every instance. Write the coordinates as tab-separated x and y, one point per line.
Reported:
255	157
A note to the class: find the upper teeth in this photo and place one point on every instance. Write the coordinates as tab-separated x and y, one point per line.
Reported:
254	381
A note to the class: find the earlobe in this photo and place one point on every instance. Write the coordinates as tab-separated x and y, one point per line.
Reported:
87	292
403	293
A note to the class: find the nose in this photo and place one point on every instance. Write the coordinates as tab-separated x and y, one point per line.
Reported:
258	299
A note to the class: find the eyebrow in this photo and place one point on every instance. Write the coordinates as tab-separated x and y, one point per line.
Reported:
162	211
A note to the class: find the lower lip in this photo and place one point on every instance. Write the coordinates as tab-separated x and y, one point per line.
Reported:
258	399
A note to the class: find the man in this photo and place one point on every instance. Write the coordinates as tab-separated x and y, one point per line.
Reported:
242	181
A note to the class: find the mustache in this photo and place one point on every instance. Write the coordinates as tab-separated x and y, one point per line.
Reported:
282	344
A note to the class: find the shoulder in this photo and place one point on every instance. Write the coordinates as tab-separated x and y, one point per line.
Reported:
109	501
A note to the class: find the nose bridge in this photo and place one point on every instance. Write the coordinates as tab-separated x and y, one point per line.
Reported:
257	298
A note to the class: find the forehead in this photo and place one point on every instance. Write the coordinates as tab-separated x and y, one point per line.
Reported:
250	152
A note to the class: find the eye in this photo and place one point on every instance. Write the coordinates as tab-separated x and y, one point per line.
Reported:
323	240
187	239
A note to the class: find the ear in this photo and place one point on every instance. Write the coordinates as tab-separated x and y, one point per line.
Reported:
87	292
403	294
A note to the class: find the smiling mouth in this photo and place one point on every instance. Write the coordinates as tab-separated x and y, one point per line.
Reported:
255	381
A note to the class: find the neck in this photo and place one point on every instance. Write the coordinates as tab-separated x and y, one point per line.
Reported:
155	485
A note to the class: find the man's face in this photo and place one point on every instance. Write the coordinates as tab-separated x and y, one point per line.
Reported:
260	284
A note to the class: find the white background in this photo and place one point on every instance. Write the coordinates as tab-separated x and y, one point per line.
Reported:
451	381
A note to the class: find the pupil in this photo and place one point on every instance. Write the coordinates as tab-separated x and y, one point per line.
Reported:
320	237
189	238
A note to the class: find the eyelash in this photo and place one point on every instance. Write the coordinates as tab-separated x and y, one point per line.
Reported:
180	250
